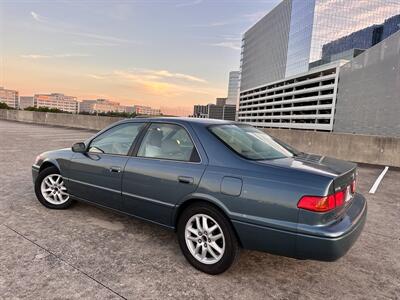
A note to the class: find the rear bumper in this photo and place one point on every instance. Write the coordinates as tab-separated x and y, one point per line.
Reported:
304	246
330	249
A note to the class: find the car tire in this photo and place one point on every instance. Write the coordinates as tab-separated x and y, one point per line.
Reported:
220	244
50	189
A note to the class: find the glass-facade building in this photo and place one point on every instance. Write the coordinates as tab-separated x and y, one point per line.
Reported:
292	36
315	23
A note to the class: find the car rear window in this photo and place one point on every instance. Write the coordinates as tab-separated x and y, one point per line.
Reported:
250	142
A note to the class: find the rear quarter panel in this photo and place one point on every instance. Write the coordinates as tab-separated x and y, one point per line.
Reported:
268	195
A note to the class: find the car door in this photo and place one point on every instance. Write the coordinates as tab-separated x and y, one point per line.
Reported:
96	175
166	168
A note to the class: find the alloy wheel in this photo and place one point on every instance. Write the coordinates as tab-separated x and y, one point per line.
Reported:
204	239
53	189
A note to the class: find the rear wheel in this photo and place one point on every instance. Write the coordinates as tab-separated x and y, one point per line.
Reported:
207	239
50	189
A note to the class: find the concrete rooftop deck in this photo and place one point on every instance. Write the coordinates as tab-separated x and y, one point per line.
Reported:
87	252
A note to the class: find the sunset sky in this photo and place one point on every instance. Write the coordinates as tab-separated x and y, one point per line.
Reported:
166	54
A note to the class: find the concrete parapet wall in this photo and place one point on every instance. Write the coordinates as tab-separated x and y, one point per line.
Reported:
58	119
354	147
359	148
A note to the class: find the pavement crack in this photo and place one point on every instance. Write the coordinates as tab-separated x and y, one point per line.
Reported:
65	262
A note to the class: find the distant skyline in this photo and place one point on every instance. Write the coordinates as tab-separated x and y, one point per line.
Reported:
165	54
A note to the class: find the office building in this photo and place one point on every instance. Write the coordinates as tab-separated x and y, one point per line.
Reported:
128	109
26	101
100	106
57	101
292	61
358	96
292	35
200	111
9	97
221	110
233	87
355	43
220	101
147	110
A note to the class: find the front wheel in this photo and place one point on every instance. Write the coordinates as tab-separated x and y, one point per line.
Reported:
207	239
50	189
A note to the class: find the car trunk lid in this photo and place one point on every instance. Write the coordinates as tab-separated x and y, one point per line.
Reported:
342	173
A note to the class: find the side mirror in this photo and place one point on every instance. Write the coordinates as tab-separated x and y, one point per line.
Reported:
79	147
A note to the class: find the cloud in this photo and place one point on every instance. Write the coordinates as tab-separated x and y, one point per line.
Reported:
214	24
37	17
189	3
255	16
167	74
63	55
162	83
96	44
67	29
246	18
229	45
94	76
228	41
158	75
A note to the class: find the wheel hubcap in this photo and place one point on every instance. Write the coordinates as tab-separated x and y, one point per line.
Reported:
53	189
204	239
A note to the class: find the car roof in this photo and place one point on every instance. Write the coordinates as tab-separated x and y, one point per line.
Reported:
205	122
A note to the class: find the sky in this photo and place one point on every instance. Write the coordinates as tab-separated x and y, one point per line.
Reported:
165	54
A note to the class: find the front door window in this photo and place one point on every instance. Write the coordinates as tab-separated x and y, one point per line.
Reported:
117	140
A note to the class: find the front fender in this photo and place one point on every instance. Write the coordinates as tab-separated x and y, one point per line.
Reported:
49	161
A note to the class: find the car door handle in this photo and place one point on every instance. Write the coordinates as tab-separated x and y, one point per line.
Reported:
185	179
115	169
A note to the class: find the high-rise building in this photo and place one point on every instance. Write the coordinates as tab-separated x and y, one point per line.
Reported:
57	101
233	87
360	40
26	101
9	97
221	110
291	36
264	48
291	59
100	106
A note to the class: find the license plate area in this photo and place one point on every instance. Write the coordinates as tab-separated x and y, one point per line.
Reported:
348	194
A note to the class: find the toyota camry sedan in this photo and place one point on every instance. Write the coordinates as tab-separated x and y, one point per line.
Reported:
220	185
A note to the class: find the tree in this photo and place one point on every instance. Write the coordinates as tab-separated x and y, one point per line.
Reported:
4	106
110	114
46	109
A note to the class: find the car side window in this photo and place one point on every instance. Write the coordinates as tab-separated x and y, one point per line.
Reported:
117	140
167	141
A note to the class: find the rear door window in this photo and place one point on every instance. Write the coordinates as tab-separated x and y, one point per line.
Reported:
167	141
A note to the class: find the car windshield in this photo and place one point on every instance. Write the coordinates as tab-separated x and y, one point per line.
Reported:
250	142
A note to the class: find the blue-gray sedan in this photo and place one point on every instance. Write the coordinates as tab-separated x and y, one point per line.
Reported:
221	185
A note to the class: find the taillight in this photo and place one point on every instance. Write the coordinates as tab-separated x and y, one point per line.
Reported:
315	203
340	197
322	204
353	186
